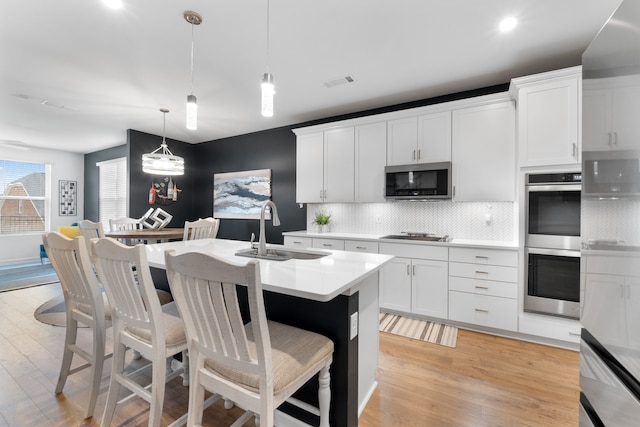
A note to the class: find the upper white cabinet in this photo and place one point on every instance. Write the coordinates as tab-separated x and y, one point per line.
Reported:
483	152
370	160
421	139
549	117
325	166
610	111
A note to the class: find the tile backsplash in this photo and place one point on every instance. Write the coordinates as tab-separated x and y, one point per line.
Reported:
611	220
460	220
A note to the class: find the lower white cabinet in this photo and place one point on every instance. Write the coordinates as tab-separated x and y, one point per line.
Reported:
418	284
298	242
337	244
484	310
483	287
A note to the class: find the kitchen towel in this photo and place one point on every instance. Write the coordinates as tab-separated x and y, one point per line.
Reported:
423	330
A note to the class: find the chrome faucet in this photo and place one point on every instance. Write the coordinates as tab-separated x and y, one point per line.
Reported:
262	244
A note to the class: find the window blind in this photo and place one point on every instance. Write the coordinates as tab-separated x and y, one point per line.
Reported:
113	190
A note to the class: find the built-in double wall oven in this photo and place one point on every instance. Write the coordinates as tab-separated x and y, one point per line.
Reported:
552	244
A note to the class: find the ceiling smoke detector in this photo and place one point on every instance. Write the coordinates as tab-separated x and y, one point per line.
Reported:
340	81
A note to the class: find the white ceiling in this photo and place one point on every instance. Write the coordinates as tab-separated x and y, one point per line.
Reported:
103	71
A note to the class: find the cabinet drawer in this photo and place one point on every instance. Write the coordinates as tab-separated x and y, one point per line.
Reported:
440	253
484	287
484	310
361	246
484	256
336	244
484	272
298	242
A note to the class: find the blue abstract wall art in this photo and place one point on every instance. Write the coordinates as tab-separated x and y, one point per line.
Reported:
240	195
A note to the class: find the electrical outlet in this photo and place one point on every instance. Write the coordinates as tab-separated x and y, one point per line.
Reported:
354	326
378	219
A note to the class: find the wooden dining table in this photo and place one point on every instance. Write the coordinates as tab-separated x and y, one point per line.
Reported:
147	235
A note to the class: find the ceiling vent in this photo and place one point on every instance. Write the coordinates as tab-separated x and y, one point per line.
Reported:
340	81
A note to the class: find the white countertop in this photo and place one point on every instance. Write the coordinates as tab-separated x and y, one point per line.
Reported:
319	279
492	244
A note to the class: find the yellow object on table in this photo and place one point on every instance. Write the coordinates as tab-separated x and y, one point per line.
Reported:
71	231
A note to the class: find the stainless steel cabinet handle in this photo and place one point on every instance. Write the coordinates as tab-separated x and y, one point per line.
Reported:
575	149
362	248
615	138
481	310
482	272
419	154
413	156
414	270
327	245
574	334
482	287
321	194
408	270
295	242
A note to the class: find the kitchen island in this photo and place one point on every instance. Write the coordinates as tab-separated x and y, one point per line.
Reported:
335	295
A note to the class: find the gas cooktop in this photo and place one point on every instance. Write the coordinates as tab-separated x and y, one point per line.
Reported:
409	235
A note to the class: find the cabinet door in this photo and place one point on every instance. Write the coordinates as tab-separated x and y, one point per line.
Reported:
309	168
604	309
339	165
434	137
402	141
596	120
548	123
633	314
430	288
395	285
483	153
370	160
626	110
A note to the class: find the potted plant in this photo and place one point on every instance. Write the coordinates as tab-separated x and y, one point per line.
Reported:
321	221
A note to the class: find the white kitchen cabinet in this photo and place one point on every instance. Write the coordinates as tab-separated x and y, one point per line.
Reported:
298	242
422	139
361	246
483	287
325	166
321	243
370	160
549	117
483	153
310	168
417	284
610	111
612	289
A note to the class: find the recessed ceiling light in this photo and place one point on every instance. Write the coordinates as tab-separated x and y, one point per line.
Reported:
508	24
113	4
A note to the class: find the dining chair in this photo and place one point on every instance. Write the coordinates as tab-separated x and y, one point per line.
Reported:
84	304
206	228
258	365
90	230
120	224
139	322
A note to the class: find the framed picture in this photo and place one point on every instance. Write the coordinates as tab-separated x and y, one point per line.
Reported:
240	195
67	197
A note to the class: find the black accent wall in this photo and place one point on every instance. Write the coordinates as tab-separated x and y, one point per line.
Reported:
273	149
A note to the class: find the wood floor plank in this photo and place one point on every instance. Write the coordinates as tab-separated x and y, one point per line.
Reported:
484	381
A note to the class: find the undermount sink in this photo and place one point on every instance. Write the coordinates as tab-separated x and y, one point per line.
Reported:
282	254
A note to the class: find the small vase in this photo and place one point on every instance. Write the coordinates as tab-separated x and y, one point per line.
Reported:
322	228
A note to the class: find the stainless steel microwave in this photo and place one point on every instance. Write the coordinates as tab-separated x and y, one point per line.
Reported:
421	181
609	174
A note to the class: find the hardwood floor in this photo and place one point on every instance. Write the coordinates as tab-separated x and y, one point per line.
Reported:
484	381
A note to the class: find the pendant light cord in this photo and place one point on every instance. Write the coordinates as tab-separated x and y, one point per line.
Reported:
191	58
268	35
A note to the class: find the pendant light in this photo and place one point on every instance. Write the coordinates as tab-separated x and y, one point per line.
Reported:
162	162
267	81
192	103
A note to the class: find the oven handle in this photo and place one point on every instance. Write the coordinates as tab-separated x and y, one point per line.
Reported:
553	187
554	252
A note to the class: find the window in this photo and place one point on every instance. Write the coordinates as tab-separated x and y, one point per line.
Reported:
113	190
23	197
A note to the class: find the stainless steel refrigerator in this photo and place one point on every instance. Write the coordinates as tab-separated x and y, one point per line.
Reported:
610	226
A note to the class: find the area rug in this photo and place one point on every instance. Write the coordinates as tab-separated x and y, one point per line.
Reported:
423	330
53	312
24	276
